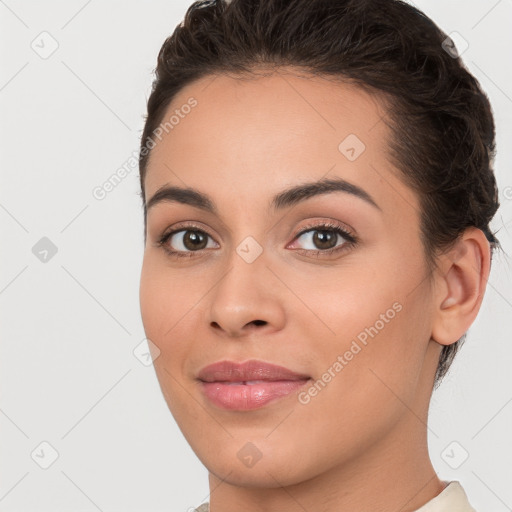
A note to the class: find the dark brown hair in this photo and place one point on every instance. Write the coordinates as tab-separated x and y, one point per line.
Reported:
443	135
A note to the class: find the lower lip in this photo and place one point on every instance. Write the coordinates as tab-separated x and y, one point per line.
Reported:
244	397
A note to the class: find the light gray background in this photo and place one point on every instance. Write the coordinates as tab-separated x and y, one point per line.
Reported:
69	325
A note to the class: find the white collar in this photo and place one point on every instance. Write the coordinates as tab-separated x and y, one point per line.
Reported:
452	498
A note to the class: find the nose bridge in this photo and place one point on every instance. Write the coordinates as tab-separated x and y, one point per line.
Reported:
247	254
244	295
246	271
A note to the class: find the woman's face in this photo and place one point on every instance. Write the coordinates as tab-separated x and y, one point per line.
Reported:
266	280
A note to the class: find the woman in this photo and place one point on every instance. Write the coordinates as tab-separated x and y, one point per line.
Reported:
317	186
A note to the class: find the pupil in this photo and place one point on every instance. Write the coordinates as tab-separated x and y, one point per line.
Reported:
324	239
194	239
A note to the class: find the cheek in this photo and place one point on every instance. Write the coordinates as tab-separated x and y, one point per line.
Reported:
343	302
367	373
163	311
161	308
165	299
375	312
170	301
152	298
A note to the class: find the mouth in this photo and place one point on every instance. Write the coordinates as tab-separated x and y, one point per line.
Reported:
249	385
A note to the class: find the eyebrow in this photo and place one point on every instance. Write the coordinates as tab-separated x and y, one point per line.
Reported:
284	199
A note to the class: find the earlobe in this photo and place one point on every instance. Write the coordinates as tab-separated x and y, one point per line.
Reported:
461	279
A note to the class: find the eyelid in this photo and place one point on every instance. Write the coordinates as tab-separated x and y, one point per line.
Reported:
330	223
185	226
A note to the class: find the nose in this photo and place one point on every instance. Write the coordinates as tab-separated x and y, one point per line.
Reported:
247	297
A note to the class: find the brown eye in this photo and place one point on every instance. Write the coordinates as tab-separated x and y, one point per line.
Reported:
325	239
322	239
195	240
187	240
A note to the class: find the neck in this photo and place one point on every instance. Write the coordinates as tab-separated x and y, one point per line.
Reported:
395	474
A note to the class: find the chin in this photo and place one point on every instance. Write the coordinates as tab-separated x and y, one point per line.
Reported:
253	461
265	475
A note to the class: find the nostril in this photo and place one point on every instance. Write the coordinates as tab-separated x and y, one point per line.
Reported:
259	322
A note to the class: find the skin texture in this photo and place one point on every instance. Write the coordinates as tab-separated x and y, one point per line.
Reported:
361	442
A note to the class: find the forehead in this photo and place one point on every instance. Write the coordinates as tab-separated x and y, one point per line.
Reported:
255	136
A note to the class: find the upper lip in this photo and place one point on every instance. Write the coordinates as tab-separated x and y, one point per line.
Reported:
231	371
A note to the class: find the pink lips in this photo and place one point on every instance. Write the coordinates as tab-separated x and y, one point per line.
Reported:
248	385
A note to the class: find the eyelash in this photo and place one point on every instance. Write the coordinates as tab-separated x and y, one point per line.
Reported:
350	240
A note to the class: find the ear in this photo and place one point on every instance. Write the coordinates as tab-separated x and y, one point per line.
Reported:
460	282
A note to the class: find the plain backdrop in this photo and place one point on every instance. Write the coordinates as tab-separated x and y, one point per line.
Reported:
83	423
